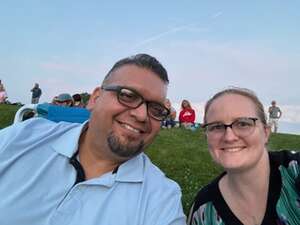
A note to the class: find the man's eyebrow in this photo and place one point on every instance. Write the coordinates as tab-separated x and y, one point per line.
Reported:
139	93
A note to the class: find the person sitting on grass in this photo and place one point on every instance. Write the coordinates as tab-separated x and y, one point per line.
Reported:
257	186
169	122
186	115
78	101
64	99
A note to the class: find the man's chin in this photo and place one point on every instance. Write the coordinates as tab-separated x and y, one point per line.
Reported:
124	150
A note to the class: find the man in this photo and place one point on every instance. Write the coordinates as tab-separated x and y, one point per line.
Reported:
95	173
274	115
36	94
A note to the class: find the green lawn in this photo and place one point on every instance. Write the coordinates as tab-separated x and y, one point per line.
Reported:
182	154
7	113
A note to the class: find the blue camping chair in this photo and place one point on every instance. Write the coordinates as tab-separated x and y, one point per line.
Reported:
54	113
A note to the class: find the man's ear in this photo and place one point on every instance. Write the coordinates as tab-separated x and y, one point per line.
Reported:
93	99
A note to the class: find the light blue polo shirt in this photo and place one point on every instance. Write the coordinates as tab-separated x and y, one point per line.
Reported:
37	183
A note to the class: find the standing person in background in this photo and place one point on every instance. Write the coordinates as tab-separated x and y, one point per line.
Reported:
36	94
1	85
186	115
274	115
169	122
3	94
257	186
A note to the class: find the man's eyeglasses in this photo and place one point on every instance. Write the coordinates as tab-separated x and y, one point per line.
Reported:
241	127
133	100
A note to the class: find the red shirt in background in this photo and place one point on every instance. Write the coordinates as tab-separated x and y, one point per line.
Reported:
187	115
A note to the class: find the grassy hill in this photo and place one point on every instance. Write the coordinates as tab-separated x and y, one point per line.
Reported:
182	154
7	113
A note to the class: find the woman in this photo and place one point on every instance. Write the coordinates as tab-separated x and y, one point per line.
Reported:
3	95
186	115
257	187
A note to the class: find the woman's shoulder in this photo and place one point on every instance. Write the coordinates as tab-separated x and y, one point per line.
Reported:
285	183
288	163
208	193
284	157
203	207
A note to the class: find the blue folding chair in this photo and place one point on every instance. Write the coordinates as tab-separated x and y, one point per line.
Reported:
54	113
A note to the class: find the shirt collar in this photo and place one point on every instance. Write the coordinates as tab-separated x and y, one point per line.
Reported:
67	143
130	171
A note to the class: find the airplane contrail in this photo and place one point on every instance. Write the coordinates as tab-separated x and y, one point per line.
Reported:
217	14
173	30
158	36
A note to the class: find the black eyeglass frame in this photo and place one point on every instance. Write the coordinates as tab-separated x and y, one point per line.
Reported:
204	126
118	89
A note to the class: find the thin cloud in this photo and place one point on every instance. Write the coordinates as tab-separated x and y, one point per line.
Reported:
189	27
216	15
163	34
290	113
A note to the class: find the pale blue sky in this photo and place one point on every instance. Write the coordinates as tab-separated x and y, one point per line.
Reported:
68	46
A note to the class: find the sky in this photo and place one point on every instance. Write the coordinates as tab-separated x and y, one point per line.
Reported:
206	46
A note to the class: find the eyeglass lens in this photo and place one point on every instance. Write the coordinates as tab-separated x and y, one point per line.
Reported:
133	99
240	127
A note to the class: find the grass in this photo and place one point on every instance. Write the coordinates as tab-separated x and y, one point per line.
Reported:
7	113
182	154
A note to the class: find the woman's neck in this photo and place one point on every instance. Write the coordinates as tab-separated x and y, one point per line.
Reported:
246	192
254	179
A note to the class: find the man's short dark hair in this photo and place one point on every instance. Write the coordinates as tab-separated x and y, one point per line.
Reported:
144	61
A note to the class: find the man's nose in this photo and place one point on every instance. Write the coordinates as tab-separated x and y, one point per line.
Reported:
141	112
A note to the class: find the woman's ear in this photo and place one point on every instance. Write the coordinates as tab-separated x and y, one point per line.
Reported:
267	132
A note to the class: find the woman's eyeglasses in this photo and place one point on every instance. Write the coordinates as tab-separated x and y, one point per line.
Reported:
241	127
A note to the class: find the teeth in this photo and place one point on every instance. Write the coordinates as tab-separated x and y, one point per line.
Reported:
232	149
131	128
